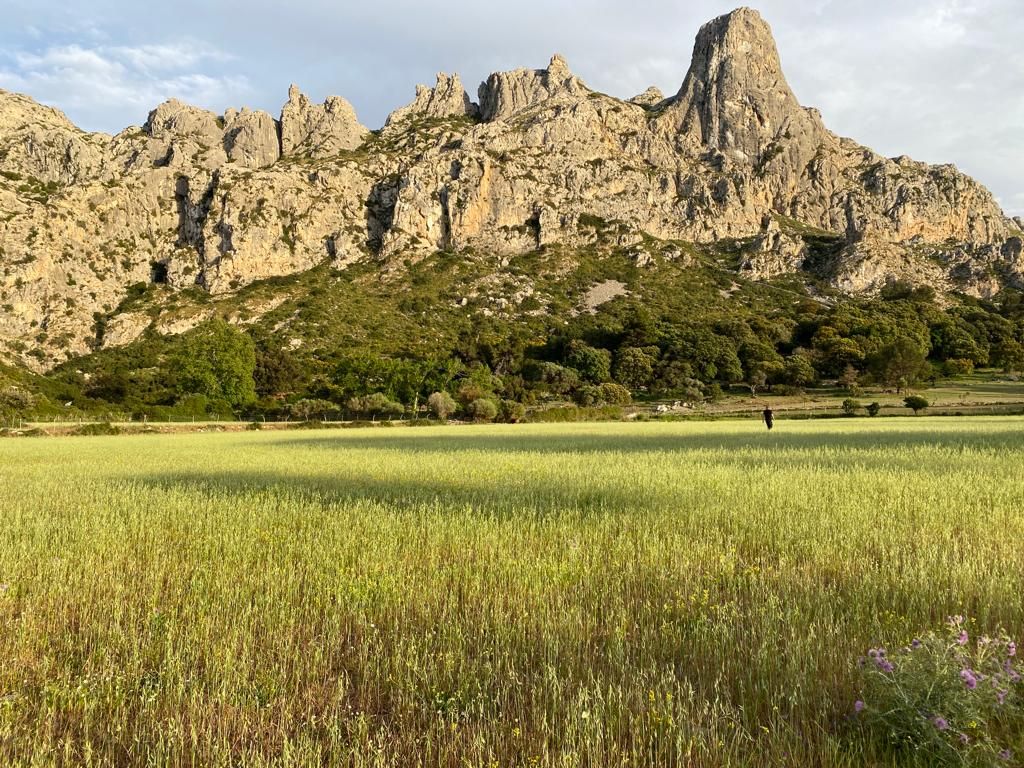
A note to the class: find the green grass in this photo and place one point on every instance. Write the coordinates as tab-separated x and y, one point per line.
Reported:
549	595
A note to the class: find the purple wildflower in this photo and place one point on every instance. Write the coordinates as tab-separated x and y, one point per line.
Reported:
1001	697
916	644
1006	755
858	706
963	638
965	739
940	722
969	679
1011	649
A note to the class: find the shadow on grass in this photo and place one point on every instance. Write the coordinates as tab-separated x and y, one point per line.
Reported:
775	444
404	494
593	483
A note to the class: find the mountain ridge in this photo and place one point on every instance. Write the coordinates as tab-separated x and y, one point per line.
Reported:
217	202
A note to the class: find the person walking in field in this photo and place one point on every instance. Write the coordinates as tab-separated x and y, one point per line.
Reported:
769	417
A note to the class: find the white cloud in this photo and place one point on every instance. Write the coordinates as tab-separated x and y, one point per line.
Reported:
104	82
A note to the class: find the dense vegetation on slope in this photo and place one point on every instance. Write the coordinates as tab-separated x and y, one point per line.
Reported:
683	325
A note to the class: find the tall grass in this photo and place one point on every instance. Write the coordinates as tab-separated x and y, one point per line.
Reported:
545	595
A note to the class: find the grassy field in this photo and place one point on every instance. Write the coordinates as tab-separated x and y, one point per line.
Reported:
691	594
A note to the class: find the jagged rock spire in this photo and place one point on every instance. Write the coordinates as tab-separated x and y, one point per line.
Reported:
320	129
506	93
735	97
447	99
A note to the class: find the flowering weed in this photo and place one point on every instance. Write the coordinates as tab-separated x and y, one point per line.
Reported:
947	697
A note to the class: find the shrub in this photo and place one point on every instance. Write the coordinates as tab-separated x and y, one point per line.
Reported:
558	379
615	394
512	412
571	413
915	403
874	409
594	365
441	405
787	390
634	368
482	410
958	367
947	699
377	404
587	395
15	402
566	413
311	408
93	430
851	406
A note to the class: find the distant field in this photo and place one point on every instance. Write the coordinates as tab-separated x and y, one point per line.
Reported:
565	595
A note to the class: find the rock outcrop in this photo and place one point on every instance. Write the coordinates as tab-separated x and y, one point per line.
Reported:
319	130
40	143
774	252
507	93
446	99
193	199
251	138
649	98
736	100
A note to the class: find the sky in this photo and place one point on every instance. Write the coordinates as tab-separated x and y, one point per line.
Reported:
939	80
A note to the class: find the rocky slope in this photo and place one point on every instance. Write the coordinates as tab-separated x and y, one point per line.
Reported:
202	201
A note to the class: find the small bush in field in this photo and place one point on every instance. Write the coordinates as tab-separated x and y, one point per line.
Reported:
482	410
948	698
915	403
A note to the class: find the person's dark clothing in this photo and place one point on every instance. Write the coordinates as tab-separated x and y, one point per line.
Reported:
769	418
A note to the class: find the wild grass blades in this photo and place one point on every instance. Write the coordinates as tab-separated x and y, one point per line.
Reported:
650	594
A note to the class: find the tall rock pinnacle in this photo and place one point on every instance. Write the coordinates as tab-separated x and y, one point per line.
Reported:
735	97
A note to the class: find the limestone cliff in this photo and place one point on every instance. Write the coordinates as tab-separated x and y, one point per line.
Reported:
215	202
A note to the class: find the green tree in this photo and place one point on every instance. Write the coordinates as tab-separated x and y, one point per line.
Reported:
799	370
482	410
277	372
874	409
615	394
111	386
899	364
15	403
441	405
374	405
512	412
557	379
594	365
851	406
916	403
850	381
958	367
634	367
218	361
311	408
1009	355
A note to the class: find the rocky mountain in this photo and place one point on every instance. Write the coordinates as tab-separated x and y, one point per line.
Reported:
196	201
